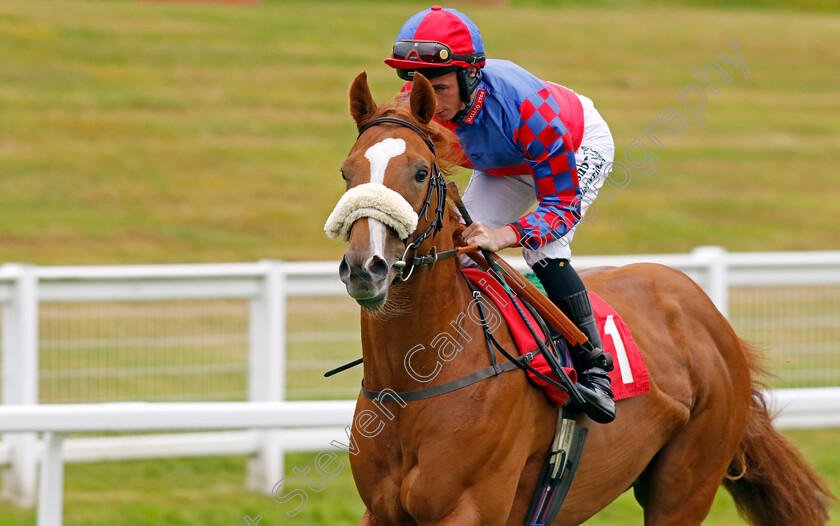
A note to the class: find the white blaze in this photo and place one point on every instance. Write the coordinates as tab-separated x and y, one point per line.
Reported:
379	155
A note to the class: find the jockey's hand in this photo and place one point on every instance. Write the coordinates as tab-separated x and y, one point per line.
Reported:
492	239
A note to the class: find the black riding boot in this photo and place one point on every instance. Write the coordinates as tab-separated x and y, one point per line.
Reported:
567	291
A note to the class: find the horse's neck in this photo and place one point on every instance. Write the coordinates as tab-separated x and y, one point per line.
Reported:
416	316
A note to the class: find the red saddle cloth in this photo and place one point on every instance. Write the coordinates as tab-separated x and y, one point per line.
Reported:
628	378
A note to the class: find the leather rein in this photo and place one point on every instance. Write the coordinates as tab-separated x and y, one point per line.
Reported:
437	185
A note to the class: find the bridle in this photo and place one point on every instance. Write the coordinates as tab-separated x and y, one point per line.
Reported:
437	185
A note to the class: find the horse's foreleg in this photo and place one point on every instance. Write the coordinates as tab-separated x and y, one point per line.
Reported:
369	520
464	514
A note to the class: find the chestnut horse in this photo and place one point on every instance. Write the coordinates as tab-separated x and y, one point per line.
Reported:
473	456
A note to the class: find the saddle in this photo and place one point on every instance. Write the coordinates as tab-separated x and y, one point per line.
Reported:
629	378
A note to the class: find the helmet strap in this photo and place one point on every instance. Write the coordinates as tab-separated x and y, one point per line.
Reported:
466	85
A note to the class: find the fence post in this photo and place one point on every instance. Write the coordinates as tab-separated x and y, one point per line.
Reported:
717	282
267	372
20	380
51	499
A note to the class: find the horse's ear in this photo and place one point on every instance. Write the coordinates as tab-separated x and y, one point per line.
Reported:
422	98
362	105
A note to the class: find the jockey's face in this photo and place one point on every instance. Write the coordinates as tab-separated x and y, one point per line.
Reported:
447	96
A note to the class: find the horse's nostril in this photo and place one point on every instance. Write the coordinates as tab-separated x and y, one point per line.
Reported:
377	267
344	270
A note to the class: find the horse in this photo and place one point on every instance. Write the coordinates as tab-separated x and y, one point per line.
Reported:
473	456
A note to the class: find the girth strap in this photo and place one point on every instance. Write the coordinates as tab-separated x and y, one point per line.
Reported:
454	385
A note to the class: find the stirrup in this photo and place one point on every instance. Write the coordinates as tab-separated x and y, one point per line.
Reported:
588	358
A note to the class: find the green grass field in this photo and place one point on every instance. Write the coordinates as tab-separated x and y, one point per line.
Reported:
209	492
155	132
138	132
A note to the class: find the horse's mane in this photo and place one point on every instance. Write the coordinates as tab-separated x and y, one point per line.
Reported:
448	156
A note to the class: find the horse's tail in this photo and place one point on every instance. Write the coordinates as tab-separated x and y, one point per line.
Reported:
768	478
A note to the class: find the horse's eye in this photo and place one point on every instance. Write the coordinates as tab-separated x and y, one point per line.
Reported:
420	176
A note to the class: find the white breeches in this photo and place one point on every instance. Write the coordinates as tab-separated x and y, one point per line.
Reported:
498	201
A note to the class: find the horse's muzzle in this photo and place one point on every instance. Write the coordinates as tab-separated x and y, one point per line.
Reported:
366	278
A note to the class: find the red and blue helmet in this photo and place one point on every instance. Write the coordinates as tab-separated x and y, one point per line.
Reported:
435	41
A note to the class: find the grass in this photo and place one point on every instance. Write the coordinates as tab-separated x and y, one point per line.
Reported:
209	491
154	132
152	351
137	132
197	351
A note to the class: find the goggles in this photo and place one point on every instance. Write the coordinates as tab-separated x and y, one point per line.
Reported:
430	52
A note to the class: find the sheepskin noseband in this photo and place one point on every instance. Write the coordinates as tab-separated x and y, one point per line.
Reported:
376	201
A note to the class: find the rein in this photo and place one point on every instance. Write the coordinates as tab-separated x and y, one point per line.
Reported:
547	348
437	185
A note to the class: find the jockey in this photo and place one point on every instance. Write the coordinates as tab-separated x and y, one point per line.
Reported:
528	142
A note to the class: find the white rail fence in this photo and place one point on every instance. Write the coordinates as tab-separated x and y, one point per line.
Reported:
756	290
299	421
